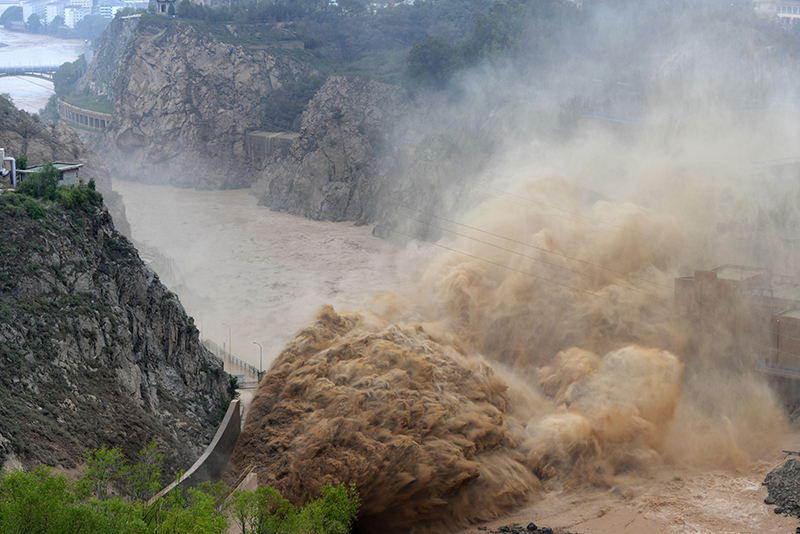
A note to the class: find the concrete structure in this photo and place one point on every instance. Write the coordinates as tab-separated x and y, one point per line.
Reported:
210	465
8	169
53	10
35	71
109	8
260	145
84	117
74	14
162	6
787	10
35	6
759	308
68	173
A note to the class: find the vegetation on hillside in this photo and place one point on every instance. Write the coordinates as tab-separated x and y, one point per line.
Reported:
112	497
64	81
64	332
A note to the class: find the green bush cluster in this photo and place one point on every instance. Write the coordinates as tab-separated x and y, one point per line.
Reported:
43	185
112	498
265	511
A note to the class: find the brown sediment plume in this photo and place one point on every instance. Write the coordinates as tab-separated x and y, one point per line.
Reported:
416	426
550	357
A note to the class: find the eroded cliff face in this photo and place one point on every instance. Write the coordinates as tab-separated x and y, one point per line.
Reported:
183	102
112	44
94	349
346	152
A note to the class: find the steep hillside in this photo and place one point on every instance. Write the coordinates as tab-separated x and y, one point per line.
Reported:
111	46
22	133
93	348
345	152
183	102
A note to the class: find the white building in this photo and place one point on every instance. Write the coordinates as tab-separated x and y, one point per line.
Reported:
108	8
53	10
34	6
74	14
787	10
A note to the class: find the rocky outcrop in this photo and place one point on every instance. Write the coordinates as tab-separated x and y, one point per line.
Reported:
183	102
22	133
111	47
345	152
783	487
94	350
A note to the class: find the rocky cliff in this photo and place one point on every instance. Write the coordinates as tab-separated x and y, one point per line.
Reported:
184	100
93	348
346	152
22	133
110	48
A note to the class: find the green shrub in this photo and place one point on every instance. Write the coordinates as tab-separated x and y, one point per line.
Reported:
41	184
43	502
78	198
33	209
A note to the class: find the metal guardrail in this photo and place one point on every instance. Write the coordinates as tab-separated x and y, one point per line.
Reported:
40	71
776	370
230	358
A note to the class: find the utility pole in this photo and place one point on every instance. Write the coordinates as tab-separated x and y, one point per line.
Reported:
230	348
260	367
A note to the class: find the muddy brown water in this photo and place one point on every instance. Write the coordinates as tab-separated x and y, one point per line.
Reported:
265	274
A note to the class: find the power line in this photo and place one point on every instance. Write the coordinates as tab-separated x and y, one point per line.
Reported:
712	299
25	79
609	282
527	273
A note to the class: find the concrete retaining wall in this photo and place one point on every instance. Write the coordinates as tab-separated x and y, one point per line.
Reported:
84	117
210	465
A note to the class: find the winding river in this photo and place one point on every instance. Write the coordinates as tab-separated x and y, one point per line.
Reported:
19	49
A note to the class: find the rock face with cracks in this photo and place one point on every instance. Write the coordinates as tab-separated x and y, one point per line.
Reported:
183	102
345	154
94	350
23	133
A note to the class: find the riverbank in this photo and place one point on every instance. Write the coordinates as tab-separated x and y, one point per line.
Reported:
27	93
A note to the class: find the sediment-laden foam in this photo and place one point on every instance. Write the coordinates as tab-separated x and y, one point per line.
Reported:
551	357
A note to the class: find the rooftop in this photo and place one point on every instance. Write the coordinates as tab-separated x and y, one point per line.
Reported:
738	272
60	166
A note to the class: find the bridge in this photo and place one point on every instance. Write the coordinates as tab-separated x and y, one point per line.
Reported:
37	71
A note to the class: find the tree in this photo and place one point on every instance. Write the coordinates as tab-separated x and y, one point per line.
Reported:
41	184
34	23
104	468
171	10
431	60
21	162
33	502
91	26
12	14
142	480
67	76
